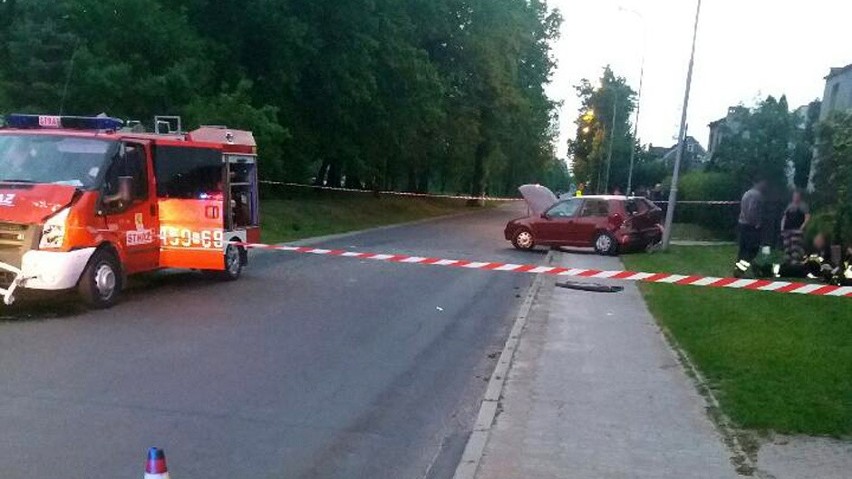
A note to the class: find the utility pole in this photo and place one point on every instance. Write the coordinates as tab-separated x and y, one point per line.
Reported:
611	138
639	95
667	234
635	128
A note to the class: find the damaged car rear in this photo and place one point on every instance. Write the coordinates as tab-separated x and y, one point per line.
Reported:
610	224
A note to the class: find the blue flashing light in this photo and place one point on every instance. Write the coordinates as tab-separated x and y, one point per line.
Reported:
69	122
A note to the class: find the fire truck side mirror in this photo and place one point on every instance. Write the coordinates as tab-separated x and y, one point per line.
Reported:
125	192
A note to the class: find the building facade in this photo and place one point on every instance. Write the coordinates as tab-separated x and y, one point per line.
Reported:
730	124
838	91
836	97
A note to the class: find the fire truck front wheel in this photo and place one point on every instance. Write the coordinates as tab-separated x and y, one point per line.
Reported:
101	281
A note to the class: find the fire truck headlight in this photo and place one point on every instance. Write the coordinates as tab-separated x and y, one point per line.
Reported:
53	232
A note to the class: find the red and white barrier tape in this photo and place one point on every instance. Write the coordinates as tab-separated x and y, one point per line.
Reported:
459	197
699	202
707	281
383	192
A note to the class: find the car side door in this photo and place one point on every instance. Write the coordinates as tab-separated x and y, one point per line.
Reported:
592	217
556	225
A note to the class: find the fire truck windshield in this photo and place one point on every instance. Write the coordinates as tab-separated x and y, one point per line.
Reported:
72	161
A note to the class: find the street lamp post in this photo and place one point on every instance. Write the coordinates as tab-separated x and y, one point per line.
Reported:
611	138
639	95
667	233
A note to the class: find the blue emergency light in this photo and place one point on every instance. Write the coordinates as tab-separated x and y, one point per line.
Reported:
70	122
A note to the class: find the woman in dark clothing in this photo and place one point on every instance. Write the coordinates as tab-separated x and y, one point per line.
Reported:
796	217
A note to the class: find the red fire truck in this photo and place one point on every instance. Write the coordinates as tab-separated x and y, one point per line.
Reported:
86	201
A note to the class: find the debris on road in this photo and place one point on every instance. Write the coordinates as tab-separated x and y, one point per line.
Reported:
593	287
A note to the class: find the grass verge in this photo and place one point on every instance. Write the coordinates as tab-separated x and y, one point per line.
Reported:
696	232
776	362
318	214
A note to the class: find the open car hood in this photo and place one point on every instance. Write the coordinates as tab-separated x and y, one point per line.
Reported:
539	198
26	203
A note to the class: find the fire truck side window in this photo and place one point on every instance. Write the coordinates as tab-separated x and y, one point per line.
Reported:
187	173
132	163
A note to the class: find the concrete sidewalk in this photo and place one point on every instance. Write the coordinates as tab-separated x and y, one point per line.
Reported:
595	392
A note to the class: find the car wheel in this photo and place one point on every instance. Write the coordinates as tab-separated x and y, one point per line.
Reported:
605	244
523	239
233	259
101	282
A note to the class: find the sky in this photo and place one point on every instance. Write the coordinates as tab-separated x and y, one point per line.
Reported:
746	49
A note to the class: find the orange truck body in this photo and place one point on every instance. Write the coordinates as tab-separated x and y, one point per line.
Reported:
194	195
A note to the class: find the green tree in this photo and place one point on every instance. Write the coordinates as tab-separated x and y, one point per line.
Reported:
426	95
233	108
603	119
761	146
833	175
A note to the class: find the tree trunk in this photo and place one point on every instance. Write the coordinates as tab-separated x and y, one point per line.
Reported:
423	182
334	175
323	170
412	180
477	184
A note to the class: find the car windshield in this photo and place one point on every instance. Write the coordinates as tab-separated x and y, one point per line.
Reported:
54	159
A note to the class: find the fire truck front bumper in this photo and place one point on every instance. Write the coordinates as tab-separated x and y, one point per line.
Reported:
44	270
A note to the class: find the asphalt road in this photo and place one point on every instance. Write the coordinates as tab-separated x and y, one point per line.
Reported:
309	366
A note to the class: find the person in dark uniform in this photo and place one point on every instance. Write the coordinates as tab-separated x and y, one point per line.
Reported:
845	274
817	264
749	227
795	219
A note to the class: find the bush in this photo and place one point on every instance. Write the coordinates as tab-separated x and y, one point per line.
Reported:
827	222
702	185
709	186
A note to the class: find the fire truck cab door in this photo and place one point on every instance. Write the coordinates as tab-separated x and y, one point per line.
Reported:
134	226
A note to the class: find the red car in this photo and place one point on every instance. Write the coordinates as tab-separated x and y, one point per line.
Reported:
609	224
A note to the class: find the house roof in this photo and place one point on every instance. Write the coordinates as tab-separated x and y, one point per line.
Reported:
835	71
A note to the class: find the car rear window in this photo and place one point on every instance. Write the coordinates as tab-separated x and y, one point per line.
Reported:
637	206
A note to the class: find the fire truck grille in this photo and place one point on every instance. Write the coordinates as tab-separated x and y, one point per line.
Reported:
12	235
6	279
15	240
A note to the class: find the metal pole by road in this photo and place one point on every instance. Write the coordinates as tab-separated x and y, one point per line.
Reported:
611	139
639	95
667	234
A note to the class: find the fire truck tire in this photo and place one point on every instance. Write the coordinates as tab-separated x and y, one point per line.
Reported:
101	282
234	260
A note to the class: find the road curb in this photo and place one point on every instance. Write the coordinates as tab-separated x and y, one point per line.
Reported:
743	462
475	448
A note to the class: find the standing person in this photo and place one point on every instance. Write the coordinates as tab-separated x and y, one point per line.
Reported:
657	193
793	223
580	189
749	224
797	215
